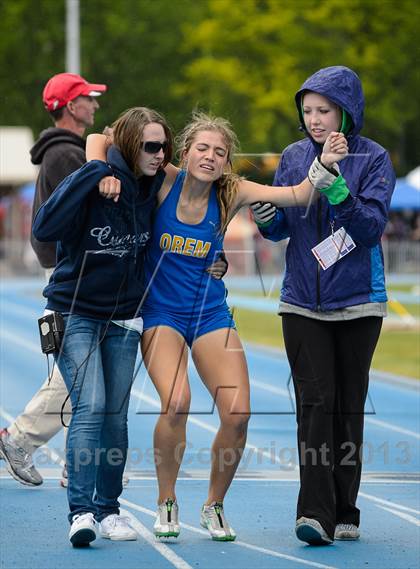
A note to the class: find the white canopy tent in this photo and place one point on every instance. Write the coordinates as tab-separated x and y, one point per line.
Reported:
413	178
15	162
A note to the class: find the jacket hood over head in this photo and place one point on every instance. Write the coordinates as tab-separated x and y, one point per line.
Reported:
343	87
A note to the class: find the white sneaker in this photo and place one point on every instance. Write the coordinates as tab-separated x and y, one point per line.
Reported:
82	530
117	528
213	519
346	532
167	523
311	531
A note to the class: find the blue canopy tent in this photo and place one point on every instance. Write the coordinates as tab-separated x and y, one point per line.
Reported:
405	196
27	192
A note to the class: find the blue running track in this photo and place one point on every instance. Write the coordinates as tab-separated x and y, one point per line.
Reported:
261	502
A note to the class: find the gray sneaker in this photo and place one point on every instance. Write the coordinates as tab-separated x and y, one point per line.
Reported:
346	532
311	531
18	462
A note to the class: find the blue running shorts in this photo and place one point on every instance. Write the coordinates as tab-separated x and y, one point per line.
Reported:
190	326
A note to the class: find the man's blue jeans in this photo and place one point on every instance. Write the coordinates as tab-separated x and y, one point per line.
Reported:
97	362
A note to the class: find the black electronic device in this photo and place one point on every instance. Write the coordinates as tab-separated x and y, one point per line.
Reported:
51	332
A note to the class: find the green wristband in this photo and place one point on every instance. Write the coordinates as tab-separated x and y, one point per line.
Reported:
337	192
265	224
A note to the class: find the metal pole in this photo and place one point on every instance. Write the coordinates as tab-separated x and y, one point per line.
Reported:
72	36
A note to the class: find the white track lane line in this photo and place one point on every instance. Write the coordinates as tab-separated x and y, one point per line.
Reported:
22	310
401	515
206	426
160	547
46	473
6	416
388	503
264	550
177	561
391	427
385	425
270	388
30	346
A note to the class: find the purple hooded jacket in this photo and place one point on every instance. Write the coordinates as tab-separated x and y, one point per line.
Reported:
357	278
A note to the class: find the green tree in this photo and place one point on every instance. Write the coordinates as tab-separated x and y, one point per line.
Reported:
241	58
253	55
31	50
134	46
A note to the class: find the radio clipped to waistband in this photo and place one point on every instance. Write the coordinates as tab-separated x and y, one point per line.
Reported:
51	332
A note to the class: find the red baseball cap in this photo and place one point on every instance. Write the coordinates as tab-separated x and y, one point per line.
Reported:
65	87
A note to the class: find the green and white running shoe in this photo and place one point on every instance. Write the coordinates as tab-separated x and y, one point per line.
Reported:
167	524
213	519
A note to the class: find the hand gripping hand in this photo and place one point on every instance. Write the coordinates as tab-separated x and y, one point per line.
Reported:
322	177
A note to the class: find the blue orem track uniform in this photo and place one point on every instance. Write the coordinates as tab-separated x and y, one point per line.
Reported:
181	292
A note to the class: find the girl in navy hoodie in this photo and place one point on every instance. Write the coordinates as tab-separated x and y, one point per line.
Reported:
332	316
98	287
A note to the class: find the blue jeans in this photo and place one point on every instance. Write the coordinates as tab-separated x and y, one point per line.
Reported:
97	362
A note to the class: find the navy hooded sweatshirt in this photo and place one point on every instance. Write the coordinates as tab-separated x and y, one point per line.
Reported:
101	244
357	278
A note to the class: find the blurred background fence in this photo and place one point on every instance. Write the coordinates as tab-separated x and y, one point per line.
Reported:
248	252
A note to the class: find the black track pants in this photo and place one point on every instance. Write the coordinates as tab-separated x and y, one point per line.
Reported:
330	367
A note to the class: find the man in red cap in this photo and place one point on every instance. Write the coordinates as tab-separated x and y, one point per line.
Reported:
60	150
66	87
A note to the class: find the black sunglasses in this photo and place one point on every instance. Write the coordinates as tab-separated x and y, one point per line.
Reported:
152	147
